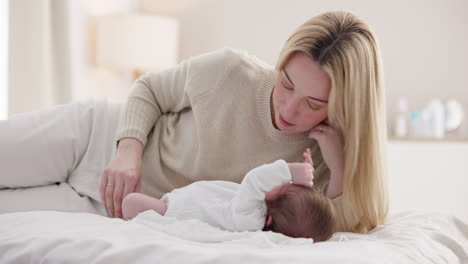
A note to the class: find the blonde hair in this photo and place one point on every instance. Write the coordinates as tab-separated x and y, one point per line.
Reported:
346	49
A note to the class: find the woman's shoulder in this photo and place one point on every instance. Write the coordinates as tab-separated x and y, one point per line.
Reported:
228	57
246	57
227	65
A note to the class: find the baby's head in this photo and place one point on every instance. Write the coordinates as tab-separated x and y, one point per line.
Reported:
298	211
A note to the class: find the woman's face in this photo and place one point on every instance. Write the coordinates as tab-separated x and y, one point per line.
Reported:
300	95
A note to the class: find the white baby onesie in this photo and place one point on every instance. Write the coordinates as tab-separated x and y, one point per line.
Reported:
228	205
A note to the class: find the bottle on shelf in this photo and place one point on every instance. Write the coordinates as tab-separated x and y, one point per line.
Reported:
436	118
400	126
416	125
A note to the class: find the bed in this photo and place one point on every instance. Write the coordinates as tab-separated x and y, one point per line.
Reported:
59	237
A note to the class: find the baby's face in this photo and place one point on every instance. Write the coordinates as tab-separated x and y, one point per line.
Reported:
273	194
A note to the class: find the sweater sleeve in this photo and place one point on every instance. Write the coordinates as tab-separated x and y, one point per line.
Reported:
170	91
248	206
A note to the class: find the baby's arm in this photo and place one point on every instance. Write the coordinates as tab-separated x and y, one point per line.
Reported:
135	203
265	178
246	207
250	197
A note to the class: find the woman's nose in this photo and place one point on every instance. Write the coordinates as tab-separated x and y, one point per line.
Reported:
291	107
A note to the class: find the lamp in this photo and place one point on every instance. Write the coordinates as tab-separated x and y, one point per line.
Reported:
136	42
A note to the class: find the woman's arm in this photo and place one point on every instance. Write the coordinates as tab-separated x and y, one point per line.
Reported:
153	95
335	186
171	91
330	138
122	175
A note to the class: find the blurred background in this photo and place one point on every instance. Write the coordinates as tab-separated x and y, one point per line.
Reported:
57	51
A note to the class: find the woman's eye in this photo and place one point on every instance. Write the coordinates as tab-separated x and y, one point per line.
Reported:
311	106
286	87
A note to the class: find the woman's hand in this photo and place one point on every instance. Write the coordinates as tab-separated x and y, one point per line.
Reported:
122	175
331	141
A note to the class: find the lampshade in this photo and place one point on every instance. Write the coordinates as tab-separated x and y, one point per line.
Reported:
136	41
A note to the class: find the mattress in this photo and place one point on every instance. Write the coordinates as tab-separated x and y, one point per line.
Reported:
59	237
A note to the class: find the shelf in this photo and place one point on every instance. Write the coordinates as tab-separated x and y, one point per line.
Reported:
412	139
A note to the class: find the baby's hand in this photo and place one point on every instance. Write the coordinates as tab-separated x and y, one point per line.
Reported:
302	173
307	157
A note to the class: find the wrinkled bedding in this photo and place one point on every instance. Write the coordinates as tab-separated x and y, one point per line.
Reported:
58	237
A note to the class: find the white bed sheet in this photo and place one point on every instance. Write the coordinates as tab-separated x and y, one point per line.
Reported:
57	237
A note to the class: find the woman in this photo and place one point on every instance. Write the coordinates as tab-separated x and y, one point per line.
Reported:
326	93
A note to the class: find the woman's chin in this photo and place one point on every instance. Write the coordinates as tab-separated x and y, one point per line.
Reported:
291	130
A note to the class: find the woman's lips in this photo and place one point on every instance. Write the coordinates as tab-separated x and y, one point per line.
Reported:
284	122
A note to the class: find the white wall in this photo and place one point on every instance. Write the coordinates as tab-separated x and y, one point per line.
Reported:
51	54
3	62
423	42
27	53
429	176
38	61
88	80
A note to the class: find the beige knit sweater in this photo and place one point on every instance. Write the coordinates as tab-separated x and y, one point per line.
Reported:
208	118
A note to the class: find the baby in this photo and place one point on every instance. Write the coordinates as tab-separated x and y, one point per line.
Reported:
265	200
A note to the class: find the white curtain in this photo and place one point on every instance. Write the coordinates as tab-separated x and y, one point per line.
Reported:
39	54
3	61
